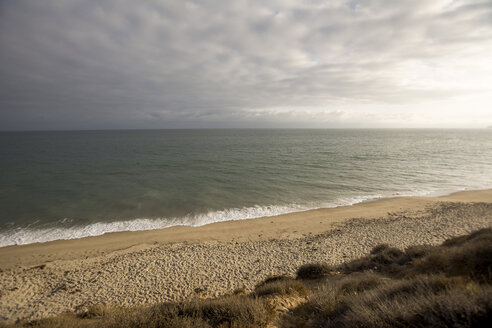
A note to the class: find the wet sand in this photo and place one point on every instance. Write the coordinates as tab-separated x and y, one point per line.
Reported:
136	268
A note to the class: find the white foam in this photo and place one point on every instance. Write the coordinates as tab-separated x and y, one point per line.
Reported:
29	235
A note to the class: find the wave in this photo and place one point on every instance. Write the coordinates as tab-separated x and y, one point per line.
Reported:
29	234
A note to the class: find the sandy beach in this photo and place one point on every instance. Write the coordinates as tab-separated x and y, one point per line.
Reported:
138	268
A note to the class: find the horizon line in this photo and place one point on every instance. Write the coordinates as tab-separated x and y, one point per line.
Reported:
249	128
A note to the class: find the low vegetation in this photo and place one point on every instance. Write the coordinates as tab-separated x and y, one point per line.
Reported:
422	286
281	286
229	311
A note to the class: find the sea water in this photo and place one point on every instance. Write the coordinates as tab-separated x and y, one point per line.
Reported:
73	184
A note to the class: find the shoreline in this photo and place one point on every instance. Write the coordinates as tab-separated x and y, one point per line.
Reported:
150	224
147	267
254	229
101	228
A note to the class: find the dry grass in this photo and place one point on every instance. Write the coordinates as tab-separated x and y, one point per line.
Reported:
231	311
281	286
423	286
424	301
357	283
469	256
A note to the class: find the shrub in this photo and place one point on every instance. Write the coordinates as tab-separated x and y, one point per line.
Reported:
381	259
314	271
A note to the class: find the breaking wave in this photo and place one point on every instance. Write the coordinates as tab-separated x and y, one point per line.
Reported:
60	231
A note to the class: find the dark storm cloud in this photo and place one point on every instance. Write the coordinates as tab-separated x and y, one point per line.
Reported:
136	64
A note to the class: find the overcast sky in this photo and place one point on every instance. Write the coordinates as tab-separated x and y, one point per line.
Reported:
200	64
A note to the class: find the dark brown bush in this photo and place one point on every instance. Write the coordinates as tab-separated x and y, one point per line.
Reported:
314	271
382	259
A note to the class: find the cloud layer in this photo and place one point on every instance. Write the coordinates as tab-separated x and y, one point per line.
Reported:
164	64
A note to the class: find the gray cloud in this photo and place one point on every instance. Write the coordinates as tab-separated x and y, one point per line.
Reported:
126	64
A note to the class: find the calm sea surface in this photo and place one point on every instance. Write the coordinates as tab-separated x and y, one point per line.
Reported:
61	185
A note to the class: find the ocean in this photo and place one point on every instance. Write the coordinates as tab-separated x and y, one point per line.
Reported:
73	184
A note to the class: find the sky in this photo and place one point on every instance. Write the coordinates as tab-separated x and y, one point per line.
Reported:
118	64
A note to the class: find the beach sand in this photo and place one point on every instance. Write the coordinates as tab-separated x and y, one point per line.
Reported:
146	267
